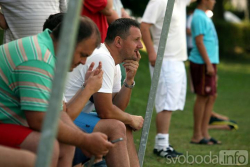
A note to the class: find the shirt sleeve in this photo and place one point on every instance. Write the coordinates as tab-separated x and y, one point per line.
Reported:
117	80
95	6
153	12
198	26
33	84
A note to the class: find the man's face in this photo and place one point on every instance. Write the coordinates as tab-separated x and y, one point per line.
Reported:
131	44
210	4
83	50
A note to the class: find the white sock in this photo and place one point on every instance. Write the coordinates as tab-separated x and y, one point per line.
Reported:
161	141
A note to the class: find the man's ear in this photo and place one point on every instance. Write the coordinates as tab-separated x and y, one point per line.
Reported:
118	41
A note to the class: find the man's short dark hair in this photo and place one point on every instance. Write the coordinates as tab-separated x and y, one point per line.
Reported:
53	21
86	28
120	28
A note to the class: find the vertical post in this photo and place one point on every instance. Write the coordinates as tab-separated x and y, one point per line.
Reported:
155	80
64	52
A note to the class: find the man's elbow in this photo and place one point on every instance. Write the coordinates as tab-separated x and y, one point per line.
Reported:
37	126
105	113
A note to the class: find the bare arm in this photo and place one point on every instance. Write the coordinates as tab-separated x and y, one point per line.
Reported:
3	23
114	16
204	55
107	11
91	144
93	84
115	110
107	110
146	36
188	31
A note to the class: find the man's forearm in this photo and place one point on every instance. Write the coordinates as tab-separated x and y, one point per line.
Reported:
77	103
122	98
203	52
146	37
67	129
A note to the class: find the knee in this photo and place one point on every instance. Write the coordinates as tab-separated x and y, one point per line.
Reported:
118	128
212	98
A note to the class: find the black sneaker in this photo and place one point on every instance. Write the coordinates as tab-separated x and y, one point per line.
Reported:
177	153
166	153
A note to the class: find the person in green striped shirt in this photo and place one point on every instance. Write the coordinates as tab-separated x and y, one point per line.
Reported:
26	73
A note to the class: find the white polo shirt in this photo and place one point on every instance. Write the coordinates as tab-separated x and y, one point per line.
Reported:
111	75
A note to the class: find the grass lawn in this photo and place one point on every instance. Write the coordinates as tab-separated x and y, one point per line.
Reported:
233	100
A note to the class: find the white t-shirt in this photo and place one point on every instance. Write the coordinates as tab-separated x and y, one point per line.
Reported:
176	47
26	17
111	75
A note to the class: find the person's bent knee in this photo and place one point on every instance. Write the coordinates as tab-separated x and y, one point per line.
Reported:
118	128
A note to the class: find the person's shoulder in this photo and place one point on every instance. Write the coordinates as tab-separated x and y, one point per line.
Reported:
101	53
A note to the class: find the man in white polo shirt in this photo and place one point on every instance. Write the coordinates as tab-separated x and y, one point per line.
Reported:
121	45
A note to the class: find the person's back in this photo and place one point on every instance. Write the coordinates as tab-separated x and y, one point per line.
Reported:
16	59
26	17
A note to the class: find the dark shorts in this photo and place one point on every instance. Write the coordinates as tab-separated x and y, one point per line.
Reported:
203	84
86	122
13	135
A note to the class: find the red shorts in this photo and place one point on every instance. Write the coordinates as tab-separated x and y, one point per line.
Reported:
13	135
204	84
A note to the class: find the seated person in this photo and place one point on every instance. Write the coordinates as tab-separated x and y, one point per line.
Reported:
114	129
122	44
26	74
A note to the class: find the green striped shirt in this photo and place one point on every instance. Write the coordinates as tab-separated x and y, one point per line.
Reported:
26	73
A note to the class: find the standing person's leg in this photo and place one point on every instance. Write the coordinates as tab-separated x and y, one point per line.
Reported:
199	108
210	89
163	121
171	94
206	117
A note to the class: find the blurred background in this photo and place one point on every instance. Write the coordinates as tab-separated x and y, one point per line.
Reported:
231	18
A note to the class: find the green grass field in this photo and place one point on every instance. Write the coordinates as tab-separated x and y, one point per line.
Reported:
233	100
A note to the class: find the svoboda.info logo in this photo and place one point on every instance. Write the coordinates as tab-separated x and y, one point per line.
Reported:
225	157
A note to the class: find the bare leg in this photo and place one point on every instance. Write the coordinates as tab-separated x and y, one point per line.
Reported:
206	116
163	121
114	129
16	158
133	157
31	143
66	155
199	109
